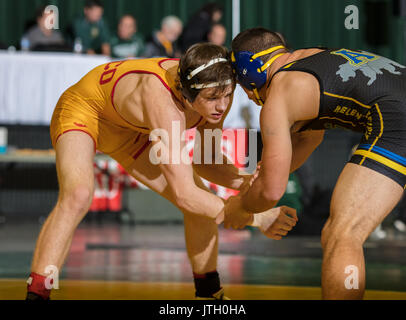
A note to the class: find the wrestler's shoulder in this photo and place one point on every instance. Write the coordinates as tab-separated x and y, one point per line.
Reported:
293	82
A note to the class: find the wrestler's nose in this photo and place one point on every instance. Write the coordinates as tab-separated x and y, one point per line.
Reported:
221	105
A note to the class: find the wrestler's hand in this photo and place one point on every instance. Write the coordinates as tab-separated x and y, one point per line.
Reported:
235	216
277	222
249	179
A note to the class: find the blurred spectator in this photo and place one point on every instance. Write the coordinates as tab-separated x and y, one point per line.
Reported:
2	46
128	43
200	24
163	42
39	37
217	34
91	30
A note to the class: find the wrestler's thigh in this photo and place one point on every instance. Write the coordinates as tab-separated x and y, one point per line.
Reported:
361	200
74	163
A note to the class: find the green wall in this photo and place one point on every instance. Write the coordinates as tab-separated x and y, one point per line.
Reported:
305	23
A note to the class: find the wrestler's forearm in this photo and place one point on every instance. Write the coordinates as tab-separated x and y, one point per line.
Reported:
226	175
255	201
197	201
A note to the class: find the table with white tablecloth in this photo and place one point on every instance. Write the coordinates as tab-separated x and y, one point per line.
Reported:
31	84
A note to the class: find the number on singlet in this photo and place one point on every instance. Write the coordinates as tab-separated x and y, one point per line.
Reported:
108	74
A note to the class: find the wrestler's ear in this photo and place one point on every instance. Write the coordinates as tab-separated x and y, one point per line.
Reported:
182	88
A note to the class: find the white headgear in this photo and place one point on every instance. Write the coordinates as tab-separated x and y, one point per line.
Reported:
203	67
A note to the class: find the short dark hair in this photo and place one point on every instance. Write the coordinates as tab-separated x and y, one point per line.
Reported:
198	55
212	7
256	40
40	11
93	3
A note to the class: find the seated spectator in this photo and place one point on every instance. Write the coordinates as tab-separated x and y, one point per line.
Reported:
200	24
163	42
40	35
128	43
92	30
217	35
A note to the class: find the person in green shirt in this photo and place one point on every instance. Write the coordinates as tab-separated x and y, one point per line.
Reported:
127	43
92	30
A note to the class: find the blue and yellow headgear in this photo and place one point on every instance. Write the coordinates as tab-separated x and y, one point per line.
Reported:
251	72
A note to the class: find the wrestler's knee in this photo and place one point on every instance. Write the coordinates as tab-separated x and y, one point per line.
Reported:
76	200
348	233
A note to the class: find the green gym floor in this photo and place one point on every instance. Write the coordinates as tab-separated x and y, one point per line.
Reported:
113	261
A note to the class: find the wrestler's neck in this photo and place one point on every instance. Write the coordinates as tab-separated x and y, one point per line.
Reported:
277	64
184	103
187	105
287	58
290	57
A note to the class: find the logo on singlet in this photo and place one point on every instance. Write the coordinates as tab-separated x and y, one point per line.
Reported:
80	125
369	64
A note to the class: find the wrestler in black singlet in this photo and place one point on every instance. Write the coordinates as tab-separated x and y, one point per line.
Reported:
362	92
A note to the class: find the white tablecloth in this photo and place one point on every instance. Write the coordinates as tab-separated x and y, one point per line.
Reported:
244	113
31	84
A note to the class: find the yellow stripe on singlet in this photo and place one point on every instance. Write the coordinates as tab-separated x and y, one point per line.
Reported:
389	163
332	118
378	137
347	98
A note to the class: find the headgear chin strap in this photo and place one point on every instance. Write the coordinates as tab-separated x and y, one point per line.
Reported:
251	71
